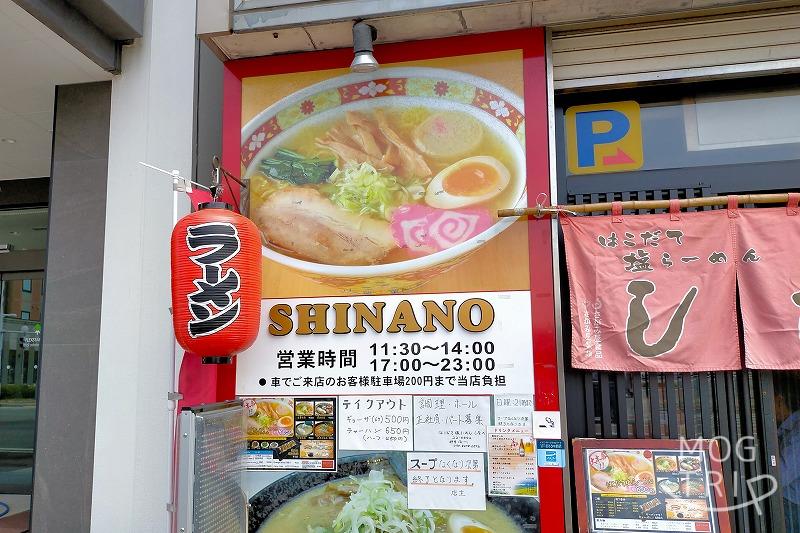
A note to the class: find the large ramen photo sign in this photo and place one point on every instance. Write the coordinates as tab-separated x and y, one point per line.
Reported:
386	271
383	182
376	196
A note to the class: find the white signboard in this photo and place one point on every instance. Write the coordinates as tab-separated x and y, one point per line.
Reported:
547	424
460	343
375	423
513	410
451	423
446	481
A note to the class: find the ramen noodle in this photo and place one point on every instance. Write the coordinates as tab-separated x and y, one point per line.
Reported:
304	408
377	501
272	417
381	185
666	463
623	473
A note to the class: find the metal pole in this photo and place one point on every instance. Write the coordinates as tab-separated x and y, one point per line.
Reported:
539	210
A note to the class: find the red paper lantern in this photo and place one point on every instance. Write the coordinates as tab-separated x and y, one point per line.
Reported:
216	282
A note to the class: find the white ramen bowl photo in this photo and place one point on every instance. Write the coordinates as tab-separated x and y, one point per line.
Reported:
378	182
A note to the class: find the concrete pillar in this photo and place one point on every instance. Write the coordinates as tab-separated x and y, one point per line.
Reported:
62	491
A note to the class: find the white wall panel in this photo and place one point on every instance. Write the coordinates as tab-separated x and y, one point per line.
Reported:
152	116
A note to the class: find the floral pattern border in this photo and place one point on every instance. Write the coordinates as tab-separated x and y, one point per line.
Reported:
452	90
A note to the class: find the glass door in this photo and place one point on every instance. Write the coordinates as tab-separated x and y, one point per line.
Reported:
21	297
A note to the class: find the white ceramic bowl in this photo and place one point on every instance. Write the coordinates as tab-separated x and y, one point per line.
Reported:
500	110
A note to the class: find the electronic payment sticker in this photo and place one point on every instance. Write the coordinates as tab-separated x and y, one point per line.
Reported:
604	138
550	453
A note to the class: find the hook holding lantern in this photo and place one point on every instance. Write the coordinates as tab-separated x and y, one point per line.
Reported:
218	172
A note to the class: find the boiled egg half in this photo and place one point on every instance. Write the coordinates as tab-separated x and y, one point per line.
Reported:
470	181
459	523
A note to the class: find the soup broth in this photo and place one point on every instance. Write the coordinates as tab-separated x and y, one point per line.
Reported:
371	186
319	507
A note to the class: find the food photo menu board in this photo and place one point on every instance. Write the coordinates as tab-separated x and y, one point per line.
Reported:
649	485
291	433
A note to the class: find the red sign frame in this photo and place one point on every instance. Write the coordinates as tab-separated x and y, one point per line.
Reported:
532	43
709	445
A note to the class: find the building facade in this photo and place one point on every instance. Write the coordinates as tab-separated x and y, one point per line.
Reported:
716	92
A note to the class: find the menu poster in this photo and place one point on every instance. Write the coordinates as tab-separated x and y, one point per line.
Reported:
376	423
291	433
649	485
512	462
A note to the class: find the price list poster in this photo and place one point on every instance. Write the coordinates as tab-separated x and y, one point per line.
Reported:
649	485
386	270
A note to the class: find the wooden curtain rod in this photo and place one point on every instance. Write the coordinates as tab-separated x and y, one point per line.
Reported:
539	210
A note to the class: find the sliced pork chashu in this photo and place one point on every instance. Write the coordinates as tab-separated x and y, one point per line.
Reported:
306	223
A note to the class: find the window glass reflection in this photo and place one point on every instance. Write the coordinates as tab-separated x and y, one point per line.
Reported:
787	416
20	336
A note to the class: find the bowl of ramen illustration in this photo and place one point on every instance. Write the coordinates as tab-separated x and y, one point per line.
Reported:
380	181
